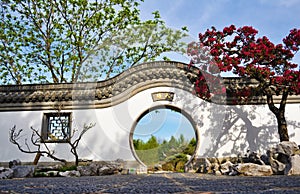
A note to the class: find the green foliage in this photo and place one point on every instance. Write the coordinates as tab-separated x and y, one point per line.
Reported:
150	144
149	157
68	168
190	149
171	154
177	161
69	41
147	151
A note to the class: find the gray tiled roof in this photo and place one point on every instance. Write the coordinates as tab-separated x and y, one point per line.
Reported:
112	91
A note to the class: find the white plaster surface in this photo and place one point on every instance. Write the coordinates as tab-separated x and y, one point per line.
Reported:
220	134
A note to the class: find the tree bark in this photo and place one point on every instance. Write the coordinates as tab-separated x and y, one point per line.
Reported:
282	127
280	115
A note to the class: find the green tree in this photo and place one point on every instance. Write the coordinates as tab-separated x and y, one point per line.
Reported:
152	143
138	144
190	148
173	143
181	139
61	41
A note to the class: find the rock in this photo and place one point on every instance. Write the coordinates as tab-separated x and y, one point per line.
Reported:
6	173
284	159
90	170
157	167
253	157
250	169
125	171
280	158
210	166
226	168
287	148
277	167
120	161
52	173
23	171
105	170
207	166
46	168
100	168
216	168
233	171
265	159
293	167
72	173
84	171
13	163
112	168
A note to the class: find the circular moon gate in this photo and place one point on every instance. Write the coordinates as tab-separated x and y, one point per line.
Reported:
157	126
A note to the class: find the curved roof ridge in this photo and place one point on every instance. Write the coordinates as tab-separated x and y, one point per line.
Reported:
117	89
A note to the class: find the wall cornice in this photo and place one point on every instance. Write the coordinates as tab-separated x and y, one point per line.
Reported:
115	90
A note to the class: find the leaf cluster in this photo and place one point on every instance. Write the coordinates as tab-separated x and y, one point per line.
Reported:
152	151
77	40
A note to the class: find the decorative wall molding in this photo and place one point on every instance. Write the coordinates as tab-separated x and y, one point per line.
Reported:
116	90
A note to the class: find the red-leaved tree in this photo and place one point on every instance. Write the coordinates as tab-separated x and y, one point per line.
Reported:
240	51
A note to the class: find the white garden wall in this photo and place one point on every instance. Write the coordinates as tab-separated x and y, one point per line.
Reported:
110	138
116	104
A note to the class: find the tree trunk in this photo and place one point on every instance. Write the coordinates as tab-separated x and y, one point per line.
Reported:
282	127
280	115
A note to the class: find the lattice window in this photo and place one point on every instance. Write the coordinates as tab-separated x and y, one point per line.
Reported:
56	127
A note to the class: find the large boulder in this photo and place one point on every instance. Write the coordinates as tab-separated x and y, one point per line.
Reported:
23	171
6	173
89	170
293	167
287	148
284	158
251	169
106	170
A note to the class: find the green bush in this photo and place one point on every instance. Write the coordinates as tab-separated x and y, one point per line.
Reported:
68	168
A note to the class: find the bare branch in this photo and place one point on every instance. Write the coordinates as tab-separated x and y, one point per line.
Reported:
14	137
37	138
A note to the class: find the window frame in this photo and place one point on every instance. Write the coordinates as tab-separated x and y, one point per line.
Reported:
45	127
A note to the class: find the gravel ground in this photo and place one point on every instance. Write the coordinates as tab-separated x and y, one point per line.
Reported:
154	183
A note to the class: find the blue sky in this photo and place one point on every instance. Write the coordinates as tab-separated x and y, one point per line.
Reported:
272	18
163	123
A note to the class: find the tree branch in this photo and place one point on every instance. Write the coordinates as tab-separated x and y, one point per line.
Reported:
271	104
14	136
